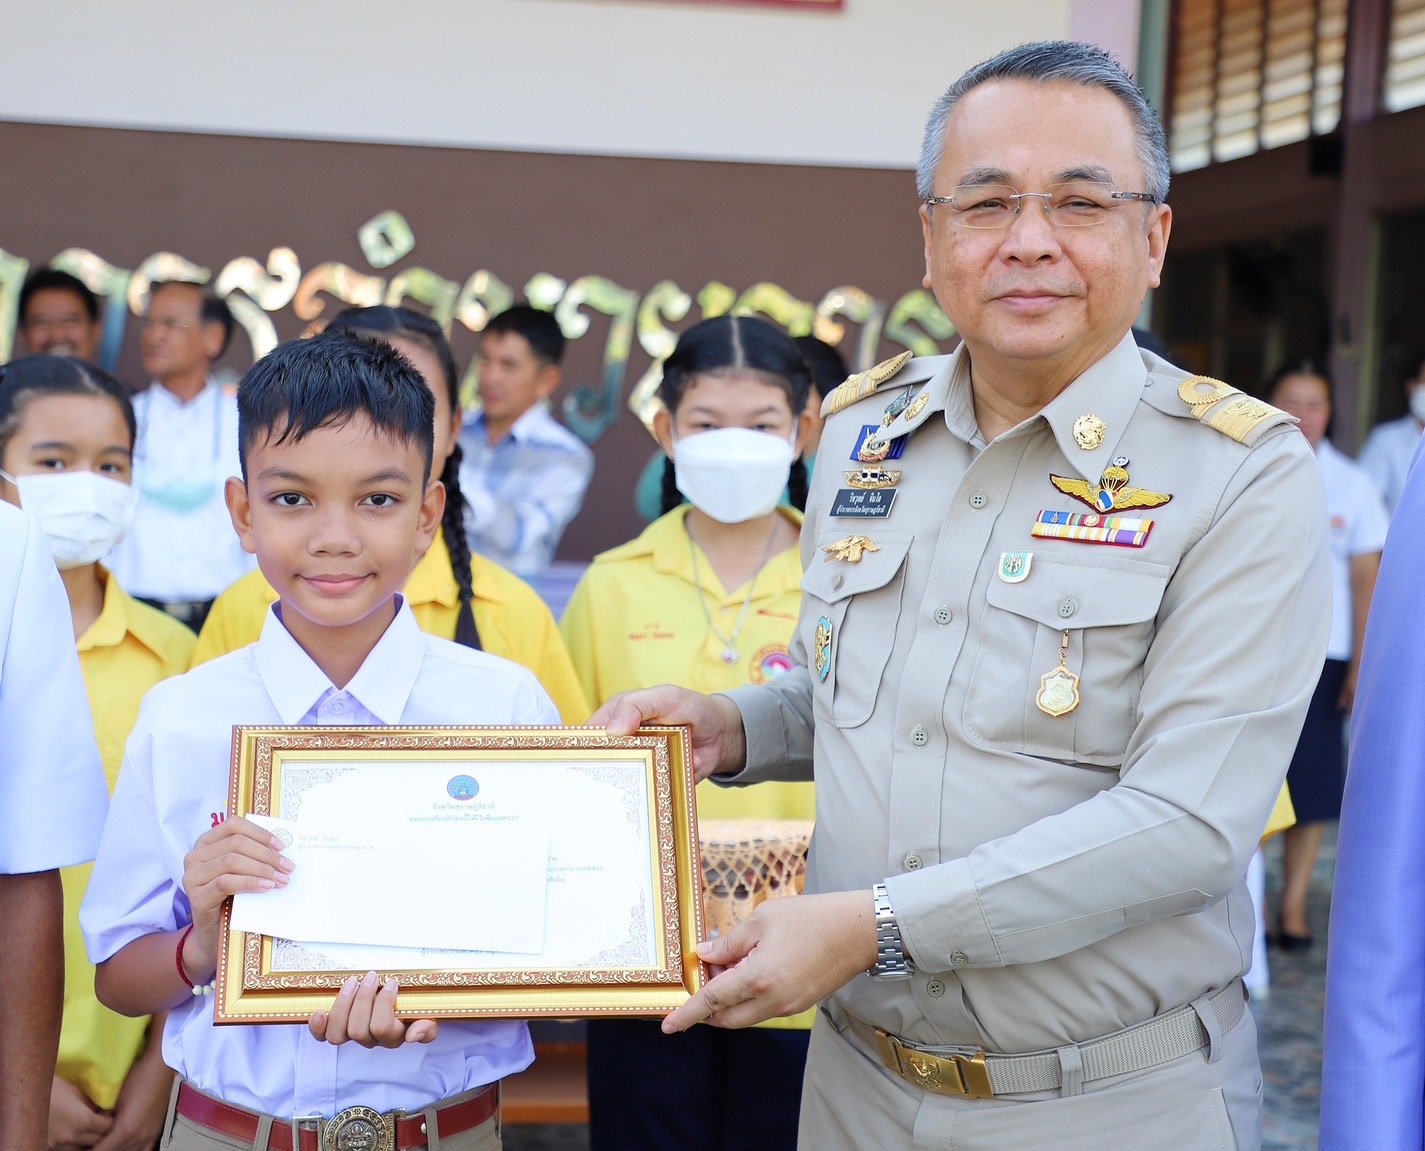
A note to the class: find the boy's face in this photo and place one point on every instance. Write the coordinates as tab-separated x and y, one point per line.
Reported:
336	521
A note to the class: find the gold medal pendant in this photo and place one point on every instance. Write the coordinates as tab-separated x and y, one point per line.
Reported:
1059	688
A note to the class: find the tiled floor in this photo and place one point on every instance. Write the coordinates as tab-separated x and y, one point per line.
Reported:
1289	1035
1289	1023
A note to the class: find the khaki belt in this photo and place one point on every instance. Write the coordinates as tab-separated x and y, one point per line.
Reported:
977	1075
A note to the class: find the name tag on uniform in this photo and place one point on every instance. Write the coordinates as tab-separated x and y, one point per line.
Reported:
874	504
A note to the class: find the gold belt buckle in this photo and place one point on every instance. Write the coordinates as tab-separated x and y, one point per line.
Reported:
359	1129
964	1075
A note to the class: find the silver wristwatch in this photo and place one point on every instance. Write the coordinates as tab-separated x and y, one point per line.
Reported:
891	961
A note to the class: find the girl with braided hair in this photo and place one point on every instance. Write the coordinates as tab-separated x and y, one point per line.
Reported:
707	598
453	592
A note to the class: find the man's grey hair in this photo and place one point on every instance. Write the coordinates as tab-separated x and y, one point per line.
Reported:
1063	60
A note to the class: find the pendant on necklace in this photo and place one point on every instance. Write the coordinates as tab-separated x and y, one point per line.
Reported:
729	655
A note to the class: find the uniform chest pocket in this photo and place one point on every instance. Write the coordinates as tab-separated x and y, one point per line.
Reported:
1108	608
850	626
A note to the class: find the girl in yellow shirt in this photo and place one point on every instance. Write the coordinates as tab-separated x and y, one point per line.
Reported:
707	598
453	593
66	454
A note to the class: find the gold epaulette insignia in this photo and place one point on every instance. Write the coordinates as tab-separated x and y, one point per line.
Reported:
862	384
1230	410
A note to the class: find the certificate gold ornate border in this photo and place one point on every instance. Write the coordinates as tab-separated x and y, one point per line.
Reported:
250	989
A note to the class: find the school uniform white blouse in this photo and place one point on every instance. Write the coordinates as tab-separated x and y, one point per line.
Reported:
52	789
1358	523
174	784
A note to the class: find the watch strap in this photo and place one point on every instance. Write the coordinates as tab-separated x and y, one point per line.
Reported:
891	960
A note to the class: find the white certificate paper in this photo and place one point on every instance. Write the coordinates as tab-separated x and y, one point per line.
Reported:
497	864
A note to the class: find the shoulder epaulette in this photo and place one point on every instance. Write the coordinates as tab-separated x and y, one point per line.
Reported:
862	384
1230	410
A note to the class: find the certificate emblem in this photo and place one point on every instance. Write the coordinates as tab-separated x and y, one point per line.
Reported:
462	787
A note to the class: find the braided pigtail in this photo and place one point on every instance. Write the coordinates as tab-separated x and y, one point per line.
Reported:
672	497
452	527
383	322
797	484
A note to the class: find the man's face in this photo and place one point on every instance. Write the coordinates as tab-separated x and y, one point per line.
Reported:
1040	297
512	378
55	323
175	341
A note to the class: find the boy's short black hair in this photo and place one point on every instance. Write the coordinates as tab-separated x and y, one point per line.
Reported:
326	380
539	328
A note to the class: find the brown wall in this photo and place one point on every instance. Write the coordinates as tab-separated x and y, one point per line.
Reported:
125	195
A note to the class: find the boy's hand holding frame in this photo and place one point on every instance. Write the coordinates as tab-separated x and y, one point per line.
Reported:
365	1013
238	856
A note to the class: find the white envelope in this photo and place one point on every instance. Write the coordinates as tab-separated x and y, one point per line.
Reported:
438	885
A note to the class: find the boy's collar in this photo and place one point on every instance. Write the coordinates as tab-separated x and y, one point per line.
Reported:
382	685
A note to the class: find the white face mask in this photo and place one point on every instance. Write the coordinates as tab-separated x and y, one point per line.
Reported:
733	474
1417	403
83	514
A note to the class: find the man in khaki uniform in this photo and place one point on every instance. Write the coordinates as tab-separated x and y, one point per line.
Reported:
1064	608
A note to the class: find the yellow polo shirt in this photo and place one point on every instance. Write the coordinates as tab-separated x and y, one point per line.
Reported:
635	620
513	621
122	654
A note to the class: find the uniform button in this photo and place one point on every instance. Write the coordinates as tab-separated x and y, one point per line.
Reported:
1067	607
978	500
919	737
943	615
911	861
959	959
837	580
935	989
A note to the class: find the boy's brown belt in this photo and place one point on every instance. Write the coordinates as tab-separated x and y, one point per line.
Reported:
393	1131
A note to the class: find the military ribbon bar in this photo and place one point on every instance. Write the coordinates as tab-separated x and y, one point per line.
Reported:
1091	528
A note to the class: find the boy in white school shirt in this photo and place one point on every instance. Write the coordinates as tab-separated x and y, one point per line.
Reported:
337	503
52	800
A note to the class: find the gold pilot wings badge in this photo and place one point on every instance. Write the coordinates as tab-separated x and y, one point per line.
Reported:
1112	493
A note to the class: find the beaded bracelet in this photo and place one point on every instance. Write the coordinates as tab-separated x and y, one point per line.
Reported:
198	989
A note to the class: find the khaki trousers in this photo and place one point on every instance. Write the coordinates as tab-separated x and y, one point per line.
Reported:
1207	1101
181	1134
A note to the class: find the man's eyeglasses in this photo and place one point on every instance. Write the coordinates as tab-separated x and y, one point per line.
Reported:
1072	204
165	324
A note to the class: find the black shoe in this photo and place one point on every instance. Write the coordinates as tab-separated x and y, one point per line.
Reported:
1285	941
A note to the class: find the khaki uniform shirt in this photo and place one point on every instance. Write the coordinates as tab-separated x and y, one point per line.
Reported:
1055	879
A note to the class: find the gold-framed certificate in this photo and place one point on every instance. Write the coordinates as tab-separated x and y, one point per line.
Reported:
494	872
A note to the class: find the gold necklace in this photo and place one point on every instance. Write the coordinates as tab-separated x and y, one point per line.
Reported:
729	642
